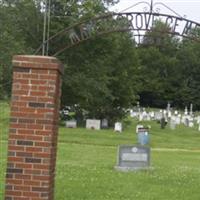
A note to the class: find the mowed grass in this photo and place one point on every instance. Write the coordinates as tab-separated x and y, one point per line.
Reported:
86	172
4	124
86	160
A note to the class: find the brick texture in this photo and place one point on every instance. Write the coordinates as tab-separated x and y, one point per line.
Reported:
33	128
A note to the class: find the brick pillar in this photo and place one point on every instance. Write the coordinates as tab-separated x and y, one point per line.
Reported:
33	128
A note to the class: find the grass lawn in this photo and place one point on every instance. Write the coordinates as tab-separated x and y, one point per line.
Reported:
86	172
86	159
4	121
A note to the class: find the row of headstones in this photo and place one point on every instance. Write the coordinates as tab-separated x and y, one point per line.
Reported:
173	118
156	115
95	124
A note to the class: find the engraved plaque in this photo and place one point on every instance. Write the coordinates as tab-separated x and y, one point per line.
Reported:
133	158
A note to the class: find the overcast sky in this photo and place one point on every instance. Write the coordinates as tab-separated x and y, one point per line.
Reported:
188	8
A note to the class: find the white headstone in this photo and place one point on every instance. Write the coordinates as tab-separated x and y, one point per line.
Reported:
93	124
158	116
140	117
152	114
169	114
138	126
71	124
144	115
133	114
198	119
148	117
191	123
177	120
186	111
168	107
172	123
118	127
191	107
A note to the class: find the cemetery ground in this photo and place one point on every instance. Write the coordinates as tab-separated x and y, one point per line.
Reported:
86	160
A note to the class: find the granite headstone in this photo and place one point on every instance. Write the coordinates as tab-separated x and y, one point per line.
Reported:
131	158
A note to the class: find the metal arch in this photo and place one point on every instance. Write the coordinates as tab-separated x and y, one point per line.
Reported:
151	6
160	3
139	35
142	2
116	22
69	28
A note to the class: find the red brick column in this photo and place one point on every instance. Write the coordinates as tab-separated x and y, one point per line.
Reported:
33	128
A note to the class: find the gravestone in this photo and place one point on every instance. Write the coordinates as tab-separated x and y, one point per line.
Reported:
198	119
152	115
173	123
144	115
186	111
143	136
131	158
176	112
139	126
169	114
178	119
191	122
118	127
187	121
168	107
158	116
71	124
140	117
93	124
133	113
162	122
104	123
191	109
184	120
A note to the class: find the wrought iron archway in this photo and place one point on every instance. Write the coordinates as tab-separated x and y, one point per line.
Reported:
136	22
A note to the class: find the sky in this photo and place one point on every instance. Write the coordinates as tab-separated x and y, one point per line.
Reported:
189	9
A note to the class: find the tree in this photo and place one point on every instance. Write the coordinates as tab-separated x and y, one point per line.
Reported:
100	73
158	66
100	76
20	24
189	83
